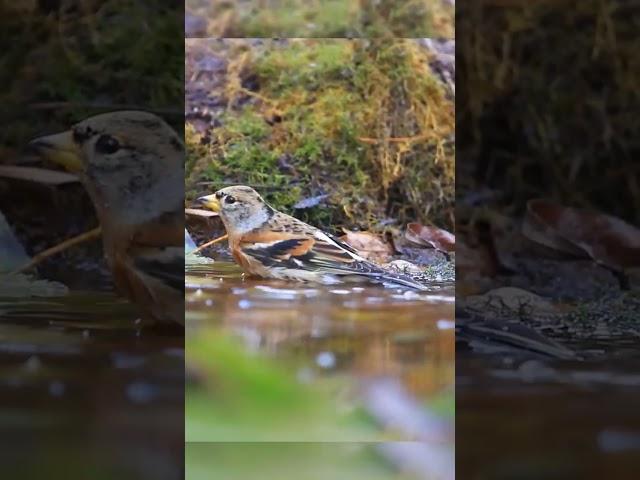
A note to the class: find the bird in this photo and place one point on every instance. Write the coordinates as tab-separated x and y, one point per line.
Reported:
271	244
132	165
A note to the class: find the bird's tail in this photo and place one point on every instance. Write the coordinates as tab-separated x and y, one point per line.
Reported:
380	275
401	280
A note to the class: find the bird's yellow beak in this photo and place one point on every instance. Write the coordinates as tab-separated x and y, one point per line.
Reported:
59	149
210	202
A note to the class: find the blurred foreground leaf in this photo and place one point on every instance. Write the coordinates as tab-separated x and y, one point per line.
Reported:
278	461
243	397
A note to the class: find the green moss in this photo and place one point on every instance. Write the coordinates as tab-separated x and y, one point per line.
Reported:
330	18
326	18
86	59
541	129
321	122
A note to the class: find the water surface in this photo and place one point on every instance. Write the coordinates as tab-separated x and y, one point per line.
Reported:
363	331
82	384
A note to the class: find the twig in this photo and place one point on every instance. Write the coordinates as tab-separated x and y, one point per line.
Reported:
40	257
208	244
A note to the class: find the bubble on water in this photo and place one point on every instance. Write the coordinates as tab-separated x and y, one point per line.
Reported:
280	293
56	389
326	360
208	302
446	324
244	304
174	352
140	392
614	441
375	300
441	298
410	295
125	360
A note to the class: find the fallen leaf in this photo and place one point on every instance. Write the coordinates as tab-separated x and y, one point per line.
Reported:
540	226
189	244
608	240
431	237
12	253
310	202
474	267
369	245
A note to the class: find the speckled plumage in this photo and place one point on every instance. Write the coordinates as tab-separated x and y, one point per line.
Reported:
271	244
132	165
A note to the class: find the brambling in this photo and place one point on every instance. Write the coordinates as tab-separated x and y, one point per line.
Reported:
271	244
132	165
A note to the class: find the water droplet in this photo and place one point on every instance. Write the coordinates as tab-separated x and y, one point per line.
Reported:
141	392
124	360
326	360
56	389
446	324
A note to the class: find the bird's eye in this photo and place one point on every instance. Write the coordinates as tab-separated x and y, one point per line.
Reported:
107	144
229	200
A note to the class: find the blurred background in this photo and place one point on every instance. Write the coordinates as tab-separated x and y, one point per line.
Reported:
320	19
84	393
547	220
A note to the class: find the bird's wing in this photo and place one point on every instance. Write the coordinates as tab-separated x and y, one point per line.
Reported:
296	250
165	265
314	250
157	249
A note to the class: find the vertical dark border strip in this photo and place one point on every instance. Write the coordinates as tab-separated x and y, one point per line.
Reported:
547	108
84	393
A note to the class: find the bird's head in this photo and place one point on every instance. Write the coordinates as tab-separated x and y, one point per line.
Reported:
126	159
241	208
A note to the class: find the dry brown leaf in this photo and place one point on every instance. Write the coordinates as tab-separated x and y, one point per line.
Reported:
431	237
370	246
474	266
608	240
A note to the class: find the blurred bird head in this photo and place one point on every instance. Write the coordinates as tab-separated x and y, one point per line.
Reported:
128	160
241	208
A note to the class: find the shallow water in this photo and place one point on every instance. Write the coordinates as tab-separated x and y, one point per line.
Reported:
536	417
362	331
81	384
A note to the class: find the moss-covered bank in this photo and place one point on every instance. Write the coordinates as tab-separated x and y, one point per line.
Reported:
320	18
365	122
